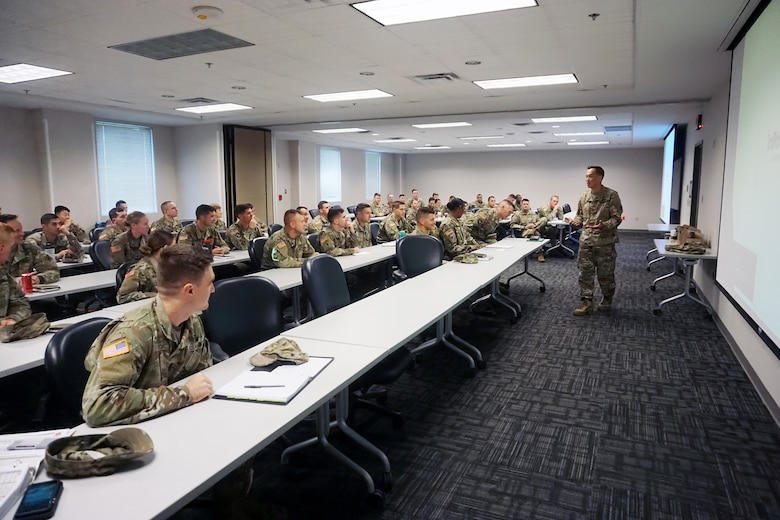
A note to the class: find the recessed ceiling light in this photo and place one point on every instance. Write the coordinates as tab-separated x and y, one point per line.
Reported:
238	87
529	81
25	72
432	147
505	145
341	131
395	140
167	96
442	125
556	126
587	143
375	135
577	134
366	73
473	62
348	96
483	137
210	109
393	12
569	119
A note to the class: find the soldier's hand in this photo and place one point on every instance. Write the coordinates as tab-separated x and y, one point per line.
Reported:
529	226
7	322
35	279
595	226
61	254
199	387
217	251
355	250
575	223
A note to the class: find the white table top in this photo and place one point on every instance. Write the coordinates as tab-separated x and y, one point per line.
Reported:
79	283
86	261
660	244
660	228
233	257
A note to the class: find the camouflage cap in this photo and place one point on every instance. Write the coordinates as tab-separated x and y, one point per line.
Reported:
95	455
467	258
283	349
30	327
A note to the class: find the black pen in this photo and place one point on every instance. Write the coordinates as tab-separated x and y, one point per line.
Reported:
263	386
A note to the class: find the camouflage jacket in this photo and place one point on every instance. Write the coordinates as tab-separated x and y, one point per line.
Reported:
521	219
28	258
140	282
420	231
126	248
478	205
79	232
60	243
337	243
378	210
391	227
283	251
220	225
191	234
111	232
456	238
549	213
317	224
482	226
603	207
239	238
171	226
13	304
133	361
362	235
411	217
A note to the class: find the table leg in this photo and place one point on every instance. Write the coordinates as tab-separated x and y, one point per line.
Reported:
560	243
525	270
688	264
442	327
664	277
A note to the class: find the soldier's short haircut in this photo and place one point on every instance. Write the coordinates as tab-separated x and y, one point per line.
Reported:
360	207
321	203
479	194
112	213
156	241
181	264
492	197
431	199
60	209
7	233
135	217
423	212
47	217
304	208
120	201
240	208
599	170
526	200
401	195
204	209
5	218
334	213
455	204
289	215
397	204
164	205
377	194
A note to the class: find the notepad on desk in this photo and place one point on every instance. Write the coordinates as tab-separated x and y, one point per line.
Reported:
278	385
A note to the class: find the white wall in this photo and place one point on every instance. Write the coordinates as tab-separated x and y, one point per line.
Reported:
634	173
200	170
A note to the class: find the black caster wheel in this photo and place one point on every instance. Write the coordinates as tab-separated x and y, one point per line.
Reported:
471	373
387	481
542	289
376	500
648	268
657	312
652	287
482	364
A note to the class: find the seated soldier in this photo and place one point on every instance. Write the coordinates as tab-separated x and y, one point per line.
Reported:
453	232
245	229
168	222
219	224
319	222
491	203
550	211
27	257
202	232
288	246
56	238
529	222
63	213
477	204
13	305
394	224
411	212
126	247
482	224
118	219
362	225
338	239
377	208
141	281
426	223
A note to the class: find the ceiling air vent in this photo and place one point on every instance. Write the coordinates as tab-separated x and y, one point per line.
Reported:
618	128
537	132
441	77
197	100
183	44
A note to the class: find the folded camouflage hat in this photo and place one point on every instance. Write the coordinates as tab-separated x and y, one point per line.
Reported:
283	349
30	327
467	258
95	455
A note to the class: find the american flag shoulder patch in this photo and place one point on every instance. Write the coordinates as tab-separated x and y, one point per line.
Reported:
116	349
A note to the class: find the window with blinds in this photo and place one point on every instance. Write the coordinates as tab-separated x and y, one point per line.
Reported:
330	174
125	163
373	174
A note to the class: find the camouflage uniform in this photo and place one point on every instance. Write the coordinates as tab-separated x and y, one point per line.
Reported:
171	226
477	204
482	226
550	214
79	232
420	231
337	243
597	246
28	258
521	219
126	248
111	232
317	224
239	238
362	235
378	210
283	251
134	359
60	243
391	227
456	238
191	234
220	225
411	217
13	304
140	282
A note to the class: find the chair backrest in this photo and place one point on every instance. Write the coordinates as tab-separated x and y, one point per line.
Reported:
352	209
223	234
274	228
325	284
121	271
566	208
314	240
255	250
186	222
417	254
64	360
95	232
314	212
242	313
100	253
374	227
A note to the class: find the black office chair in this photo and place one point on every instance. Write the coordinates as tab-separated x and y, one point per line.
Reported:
94	233
352	209
326	286
186	222
100	253
566	208
274	228
417	254
314	212
374	227
314	240
64	362
255	250
223	234
121	272
242	313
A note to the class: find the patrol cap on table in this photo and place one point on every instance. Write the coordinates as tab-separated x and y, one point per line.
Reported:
30	327
95	455
467	258
283	349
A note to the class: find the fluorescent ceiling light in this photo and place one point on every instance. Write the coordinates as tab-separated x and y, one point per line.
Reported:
25	72
586	143
393	12
341	131
529	81
577	134
432	147
395	140
569	119
349	96
442	125
481	137
211	109
505	145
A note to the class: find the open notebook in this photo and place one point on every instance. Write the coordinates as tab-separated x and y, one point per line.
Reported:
276	383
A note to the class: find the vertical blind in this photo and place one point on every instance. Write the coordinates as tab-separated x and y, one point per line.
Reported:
125	163
373	174
330	174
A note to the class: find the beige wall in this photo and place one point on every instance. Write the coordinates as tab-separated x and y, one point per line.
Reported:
20	172
200	170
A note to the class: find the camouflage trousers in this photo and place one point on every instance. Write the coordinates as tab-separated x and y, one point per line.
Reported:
597	261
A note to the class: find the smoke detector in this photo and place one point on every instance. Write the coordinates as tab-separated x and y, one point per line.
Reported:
206	12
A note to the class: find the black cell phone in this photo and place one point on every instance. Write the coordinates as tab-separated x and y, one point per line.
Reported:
40	501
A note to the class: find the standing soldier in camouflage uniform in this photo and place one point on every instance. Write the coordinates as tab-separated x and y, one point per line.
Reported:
599	212
63	213
426	223
219	224
529	222
391	227
54	236
245	229
453	232
477	204
117	225
28	258
141	281
362	226
288	246
338	239
550	211
482	224
202	233
168	222
126	247
13	305
319	222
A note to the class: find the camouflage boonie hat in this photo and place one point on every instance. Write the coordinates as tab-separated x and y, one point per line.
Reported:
283	349
95	455
30	327
467	258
